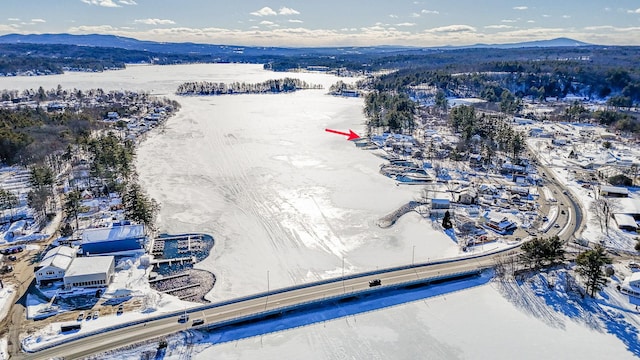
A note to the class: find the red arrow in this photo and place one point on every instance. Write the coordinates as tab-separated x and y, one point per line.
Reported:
351	135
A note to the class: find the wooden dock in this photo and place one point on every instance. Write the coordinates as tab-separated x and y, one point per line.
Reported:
189	259
167	278
157	247
181	288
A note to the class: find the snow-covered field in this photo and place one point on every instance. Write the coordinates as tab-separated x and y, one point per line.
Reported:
288	203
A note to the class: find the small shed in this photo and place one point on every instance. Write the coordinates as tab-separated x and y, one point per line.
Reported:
614	191
625	222
440	204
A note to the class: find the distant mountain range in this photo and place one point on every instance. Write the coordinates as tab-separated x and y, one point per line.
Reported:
113	41
557	42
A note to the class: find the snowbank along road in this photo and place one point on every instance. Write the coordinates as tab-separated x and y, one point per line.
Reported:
263	305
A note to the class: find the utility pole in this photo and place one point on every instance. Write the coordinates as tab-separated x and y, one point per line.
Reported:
343	288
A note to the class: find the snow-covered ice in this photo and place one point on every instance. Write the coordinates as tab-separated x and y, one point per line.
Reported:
287	203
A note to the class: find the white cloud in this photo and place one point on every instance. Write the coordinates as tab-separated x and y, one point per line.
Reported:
452	29
154	21
520	7
415	15
128	2
566	16
508	21
105	3
406	24
9	28
393	16
271	35
425	11
38	21
610	28
288	11
13	19
600	27
498	27
94	29
295	21
265	11
636	11
531	21
546	15
267	23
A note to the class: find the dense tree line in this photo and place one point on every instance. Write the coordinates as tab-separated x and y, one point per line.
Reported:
55	59
389	112
270	86
28	135
485	134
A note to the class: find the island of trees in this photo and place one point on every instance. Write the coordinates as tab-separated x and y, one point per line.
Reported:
270	86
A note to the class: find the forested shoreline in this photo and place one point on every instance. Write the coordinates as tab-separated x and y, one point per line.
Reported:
270	86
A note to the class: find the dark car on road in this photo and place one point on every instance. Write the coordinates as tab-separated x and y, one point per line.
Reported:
375	282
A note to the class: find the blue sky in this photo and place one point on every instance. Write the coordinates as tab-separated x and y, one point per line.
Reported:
331	22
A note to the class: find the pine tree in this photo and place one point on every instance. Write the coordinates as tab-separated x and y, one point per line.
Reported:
590	265
72	204
446	220
138	207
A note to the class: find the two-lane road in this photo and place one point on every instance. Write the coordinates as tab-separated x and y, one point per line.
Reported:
226	313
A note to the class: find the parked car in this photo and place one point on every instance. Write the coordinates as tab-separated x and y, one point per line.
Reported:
6	269
12	250
120	310
96	314
197	322
556	225
80	316
12	258
562	212
375	282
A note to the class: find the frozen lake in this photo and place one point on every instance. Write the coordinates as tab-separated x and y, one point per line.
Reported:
289	203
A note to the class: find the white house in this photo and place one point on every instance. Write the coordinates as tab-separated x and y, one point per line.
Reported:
95	271
631	285
54	264
499	223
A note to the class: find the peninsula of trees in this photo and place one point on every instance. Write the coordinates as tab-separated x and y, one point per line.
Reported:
270	86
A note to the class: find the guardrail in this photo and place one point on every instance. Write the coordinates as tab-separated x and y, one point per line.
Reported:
265	294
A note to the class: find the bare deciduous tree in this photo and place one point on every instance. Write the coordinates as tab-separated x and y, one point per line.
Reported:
603	209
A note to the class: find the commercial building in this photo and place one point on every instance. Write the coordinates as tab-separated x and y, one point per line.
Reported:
54	265
96	271
115	239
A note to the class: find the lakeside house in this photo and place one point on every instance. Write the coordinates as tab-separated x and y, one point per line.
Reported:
499	223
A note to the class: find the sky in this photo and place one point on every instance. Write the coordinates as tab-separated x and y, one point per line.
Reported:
331	22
